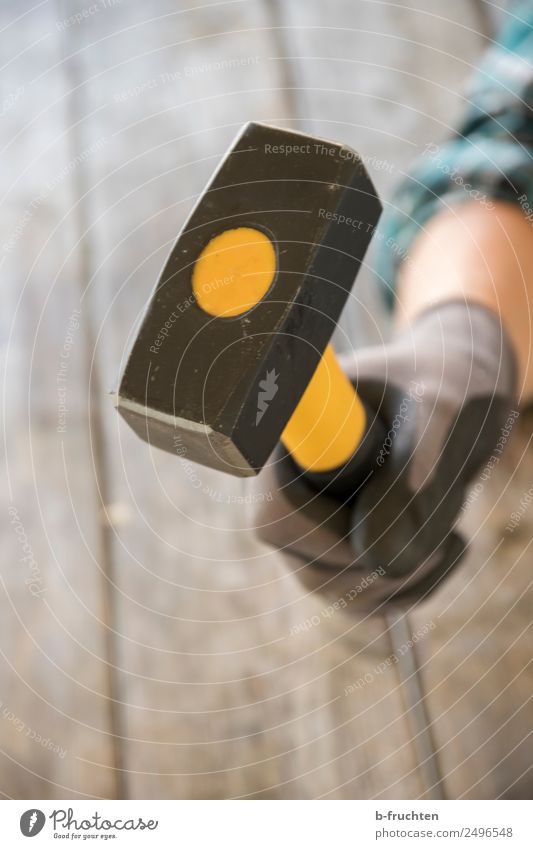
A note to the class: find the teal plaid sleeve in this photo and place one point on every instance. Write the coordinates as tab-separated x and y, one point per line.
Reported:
489	157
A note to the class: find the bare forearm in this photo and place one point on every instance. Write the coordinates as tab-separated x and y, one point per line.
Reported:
480	255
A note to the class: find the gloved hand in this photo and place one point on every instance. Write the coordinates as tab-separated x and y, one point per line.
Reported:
445	391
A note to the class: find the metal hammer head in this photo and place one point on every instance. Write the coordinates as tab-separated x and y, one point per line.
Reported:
249	299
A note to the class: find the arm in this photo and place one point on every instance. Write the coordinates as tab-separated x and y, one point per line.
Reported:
483	256
458	276
463	216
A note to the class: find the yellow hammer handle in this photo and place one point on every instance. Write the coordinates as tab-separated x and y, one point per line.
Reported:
329	423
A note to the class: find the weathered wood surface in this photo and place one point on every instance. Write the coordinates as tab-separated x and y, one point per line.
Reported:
477	664
171	655
218	698
53	656
387	80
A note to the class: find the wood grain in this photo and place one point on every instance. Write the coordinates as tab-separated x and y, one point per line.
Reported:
53	661
476	664
169	655
219	699
386	80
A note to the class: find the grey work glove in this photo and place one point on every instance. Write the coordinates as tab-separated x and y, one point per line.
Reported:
444	391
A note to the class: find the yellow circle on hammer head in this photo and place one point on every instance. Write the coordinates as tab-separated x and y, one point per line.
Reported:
234	271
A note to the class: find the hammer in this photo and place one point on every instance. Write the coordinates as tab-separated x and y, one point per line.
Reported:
233	352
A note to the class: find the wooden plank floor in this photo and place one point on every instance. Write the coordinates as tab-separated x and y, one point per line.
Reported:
54	685
162	656
476	662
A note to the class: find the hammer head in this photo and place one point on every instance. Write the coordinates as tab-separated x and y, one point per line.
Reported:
219	385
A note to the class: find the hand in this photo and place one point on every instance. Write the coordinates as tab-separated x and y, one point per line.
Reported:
444	391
